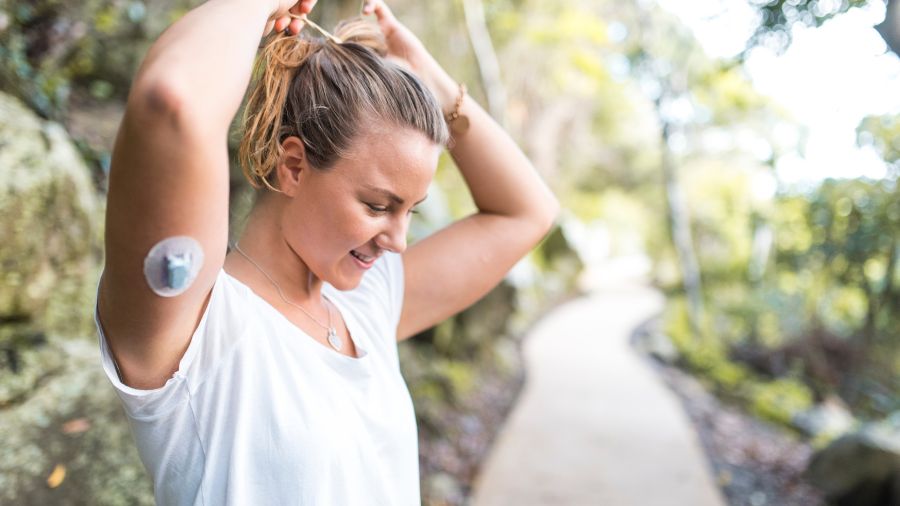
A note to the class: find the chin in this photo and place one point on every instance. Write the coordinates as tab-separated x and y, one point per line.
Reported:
344	283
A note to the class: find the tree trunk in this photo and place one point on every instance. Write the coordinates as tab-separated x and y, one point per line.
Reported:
486	57
890	27
680	221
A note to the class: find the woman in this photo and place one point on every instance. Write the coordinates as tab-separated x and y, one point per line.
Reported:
269	375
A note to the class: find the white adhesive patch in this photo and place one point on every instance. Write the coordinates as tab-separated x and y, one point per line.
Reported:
172	265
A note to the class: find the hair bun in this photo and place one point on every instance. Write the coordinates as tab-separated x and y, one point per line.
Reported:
363	32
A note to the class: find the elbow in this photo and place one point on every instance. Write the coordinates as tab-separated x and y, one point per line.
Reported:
156	99
545	216
550	215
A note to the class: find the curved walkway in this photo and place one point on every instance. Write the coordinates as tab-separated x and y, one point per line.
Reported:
593	424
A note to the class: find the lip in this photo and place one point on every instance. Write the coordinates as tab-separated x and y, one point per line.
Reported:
363	265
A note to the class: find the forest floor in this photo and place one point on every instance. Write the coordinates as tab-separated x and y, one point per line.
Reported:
755	463
594	424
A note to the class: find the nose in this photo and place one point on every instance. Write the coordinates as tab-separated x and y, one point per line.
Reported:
393	237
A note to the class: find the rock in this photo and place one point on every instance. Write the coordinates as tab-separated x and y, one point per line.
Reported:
658	346
100	459
51	225
861	468
50	373
25	363
828	419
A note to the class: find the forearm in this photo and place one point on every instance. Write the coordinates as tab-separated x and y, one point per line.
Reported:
202	64
500	177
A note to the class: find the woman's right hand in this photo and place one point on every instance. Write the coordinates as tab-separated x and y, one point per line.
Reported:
279	19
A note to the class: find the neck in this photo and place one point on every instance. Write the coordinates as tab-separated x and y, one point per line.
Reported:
263	241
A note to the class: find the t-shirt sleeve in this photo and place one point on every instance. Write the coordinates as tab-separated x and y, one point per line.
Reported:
388	273
140	403
397	283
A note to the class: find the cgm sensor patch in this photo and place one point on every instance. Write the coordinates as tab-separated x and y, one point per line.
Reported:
172	265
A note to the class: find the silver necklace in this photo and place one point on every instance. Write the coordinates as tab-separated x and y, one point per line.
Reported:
333	339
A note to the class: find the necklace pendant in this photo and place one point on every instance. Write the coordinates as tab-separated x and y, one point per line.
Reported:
333	339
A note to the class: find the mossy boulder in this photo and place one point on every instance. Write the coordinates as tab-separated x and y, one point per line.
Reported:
861	468
51	226
65	436
67	441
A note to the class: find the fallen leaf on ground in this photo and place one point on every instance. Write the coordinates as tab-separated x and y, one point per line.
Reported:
57	476
76	426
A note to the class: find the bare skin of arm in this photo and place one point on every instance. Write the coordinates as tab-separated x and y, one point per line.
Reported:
169	176
454	267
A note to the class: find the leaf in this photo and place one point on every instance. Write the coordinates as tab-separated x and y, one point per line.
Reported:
76	426
57	476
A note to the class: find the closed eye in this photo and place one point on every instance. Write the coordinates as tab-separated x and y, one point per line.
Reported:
380	210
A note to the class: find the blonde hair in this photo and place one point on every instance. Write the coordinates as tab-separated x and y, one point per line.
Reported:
323	92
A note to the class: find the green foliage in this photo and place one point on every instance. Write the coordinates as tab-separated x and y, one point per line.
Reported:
51	47
577	120
829	279
882	133
777	400
726	95
722	209
799	274
851	247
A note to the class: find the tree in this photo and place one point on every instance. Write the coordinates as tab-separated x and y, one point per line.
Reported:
777	18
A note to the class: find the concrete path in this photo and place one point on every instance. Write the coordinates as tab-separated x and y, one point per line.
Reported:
594	425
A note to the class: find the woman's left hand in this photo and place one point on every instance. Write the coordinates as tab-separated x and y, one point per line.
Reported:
407	50
403	46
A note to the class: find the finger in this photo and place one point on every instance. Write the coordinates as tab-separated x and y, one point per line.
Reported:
306	6
382	11
269	26
295	26
282	23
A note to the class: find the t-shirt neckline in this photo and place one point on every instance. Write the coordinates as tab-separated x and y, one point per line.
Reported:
324	351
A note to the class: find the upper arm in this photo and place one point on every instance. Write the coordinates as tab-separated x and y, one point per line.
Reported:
451	269
167	178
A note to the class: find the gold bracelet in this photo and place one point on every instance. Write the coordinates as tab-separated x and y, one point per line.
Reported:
457	122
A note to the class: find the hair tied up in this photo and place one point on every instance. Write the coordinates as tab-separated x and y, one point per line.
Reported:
324	91
274	71
307	21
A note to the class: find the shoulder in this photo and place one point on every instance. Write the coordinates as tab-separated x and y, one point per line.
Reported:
379	296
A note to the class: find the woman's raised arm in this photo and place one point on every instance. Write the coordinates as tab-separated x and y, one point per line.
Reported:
452	268
201	65
169	177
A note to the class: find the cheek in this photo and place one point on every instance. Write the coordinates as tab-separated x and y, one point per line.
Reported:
350	226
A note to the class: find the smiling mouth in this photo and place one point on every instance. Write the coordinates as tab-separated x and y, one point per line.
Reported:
366	259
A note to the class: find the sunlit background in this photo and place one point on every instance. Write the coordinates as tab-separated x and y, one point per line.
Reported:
715	320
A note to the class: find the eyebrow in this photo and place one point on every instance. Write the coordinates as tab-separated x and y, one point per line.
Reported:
391	195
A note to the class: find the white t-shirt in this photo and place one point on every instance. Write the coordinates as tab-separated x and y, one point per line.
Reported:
259	413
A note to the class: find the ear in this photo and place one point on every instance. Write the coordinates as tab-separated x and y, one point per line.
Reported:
292	165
